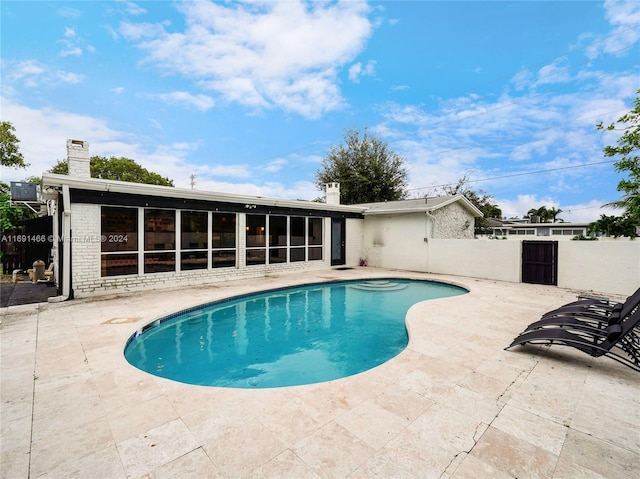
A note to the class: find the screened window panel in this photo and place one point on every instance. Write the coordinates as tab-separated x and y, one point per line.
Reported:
194	229
119	229
159	230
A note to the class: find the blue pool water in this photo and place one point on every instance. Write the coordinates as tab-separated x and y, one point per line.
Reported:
285	337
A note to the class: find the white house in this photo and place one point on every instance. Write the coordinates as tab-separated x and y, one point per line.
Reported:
510	229
119	236
396	234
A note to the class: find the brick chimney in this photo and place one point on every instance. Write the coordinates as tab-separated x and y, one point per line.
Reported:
78	158
332	193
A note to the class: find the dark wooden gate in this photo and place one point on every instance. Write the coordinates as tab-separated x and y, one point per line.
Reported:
540	262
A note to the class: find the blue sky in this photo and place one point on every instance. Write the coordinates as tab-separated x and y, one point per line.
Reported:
250	96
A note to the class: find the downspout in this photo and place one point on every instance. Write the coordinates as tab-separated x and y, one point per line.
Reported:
433	222
426	238
66	247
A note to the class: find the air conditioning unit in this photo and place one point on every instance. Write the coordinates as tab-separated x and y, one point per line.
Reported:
21	191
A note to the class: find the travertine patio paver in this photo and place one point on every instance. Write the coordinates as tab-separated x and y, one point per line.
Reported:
454	404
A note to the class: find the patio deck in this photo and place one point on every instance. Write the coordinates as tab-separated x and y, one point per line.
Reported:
452	405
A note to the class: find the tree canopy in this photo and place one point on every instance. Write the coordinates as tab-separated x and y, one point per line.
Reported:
546	215
613	226
10	214
10	155
479	198
628	145
366	168
119	169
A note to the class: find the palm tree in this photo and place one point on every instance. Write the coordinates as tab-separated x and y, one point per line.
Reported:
542	213
553	213
631	203
604	225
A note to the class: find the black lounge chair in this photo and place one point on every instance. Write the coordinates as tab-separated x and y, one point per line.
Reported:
593	306
619	341
599	305
594	315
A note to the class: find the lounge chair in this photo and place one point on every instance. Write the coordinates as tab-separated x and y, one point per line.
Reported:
619	341
594	315
597	306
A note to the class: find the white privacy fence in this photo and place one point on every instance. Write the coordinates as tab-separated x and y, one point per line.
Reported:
605	266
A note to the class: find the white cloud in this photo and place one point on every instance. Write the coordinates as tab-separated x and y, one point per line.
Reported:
43	135
576	213
302	190
357	71
537	147
69	12
556	72
183	98
275	166
625	17
261	54
133	8
510	135
522	204
587	212
70	43
70	49
233	171
31	74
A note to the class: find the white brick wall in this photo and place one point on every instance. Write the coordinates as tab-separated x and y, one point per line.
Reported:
85	242
353	244
78	158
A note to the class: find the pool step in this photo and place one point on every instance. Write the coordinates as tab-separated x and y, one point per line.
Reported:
381	285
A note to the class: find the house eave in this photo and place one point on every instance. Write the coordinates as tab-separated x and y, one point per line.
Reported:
424	208
51	180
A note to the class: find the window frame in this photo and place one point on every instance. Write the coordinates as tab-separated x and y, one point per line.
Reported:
109	241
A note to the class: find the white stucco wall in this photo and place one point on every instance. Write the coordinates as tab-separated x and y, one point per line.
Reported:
611	267
608	266
499	260
396	241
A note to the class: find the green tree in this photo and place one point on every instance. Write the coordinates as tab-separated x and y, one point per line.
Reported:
10	155
553	214
120	169
603	225
613	226
10	213
628	145
367	170
546	215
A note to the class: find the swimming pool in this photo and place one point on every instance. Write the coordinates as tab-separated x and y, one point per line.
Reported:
284	337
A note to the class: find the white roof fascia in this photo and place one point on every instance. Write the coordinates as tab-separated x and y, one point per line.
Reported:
465	201
550	225
426	208
97	184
